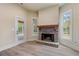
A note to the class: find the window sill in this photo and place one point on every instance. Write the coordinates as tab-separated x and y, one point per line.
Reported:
68	38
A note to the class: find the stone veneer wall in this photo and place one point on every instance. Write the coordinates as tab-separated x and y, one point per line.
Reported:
49	31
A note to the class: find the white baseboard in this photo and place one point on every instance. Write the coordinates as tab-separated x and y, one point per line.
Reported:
7	46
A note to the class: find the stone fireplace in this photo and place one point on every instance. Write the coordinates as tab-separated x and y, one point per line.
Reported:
48	33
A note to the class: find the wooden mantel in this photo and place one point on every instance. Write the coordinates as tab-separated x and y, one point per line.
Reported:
47	26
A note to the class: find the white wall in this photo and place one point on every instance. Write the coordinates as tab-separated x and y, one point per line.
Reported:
30	16
8	13
74	43
49	16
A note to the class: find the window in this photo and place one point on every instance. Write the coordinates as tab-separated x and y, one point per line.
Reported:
34	26
20	27
67	24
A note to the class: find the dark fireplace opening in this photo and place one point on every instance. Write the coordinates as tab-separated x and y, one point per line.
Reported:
47	37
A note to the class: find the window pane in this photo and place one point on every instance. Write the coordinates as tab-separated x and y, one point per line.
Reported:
66	24
20	27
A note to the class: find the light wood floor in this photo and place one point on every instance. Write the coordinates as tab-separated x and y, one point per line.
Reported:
36	49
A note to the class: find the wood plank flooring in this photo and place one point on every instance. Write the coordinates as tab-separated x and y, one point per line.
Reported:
36	49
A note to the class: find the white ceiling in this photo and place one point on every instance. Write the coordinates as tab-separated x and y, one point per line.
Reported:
36	6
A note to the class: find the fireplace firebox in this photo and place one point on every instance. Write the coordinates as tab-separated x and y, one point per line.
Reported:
47	37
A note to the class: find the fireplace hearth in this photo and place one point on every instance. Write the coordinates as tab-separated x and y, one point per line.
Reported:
48	33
